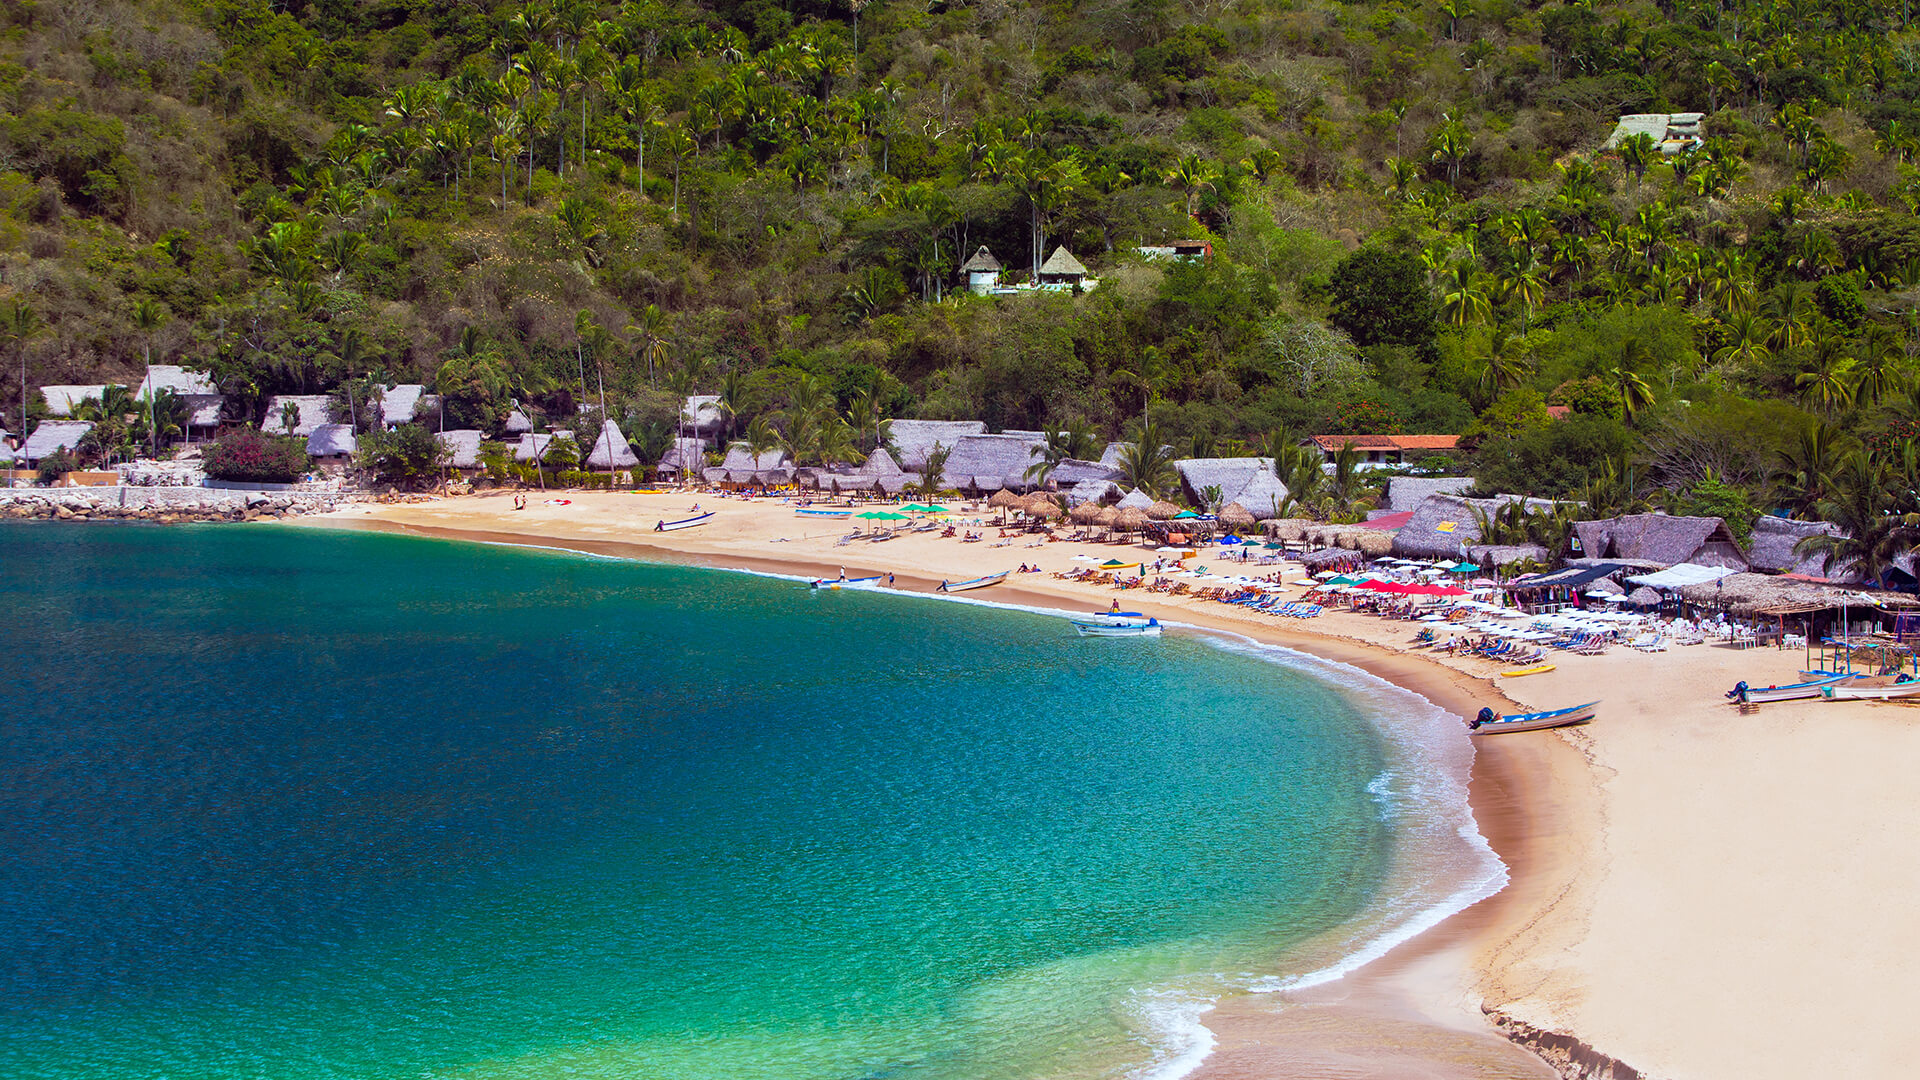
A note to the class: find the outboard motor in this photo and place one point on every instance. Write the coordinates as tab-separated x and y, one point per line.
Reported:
1486	717
1739	689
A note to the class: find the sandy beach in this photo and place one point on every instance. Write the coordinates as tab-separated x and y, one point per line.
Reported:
1695	892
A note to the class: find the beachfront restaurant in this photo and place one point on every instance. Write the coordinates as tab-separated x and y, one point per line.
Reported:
1545	594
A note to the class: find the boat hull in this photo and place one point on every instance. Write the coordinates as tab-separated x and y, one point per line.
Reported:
1761	695
684	523
1579	714
1111	630
976	583
824	513
1870	693
1537	669
1116	618
848	583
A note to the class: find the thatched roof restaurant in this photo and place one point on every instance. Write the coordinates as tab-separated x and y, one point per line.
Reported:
991	462
1443	526
533	445
462	446
1763	595
62	399
1325	557
195	388
405	403
1135	500
1774	539
1406	492
1661	539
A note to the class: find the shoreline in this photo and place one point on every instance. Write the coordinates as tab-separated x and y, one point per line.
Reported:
1323	1026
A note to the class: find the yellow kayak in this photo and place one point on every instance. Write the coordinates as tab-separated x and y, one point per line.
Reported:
1536	669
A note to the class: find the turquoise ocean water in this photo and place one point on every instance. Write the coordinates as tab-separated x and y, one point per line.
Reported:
301	804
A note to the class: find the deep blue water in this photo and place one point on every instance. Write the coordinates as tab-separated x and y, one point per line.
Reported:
293	803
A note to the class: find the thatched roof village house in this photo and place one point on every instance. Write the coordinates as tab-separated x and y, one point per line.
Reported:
195	388
913	440
1134	500
462	447
332	442
1073	471
1230	475
701	414
1110	457
1406	492
992	462
1093	491
1384	449
405	403
981	272
683	455
1444	526
1062	270
51	437
61	400
742	466
315	409
517	422
533	445
1774	539
610	450
1659	540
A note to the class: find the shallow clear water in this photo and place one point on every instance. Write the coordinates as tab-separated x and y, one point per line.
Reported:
309	804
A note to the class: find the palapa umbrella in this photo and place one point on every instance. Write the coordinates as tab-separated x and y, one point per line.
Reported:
1086	513
1132	519
1645	596
1162	510
1235	516
1043	508
1106	516
1004	500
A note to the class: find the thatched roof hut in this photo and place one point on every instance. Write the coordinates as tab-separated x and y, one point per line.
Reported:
1131	519
1286	528
1407	492
1773	542
1135	500
332	441
1506	554
913	440
743	466
403	404
881	463
1230	475
195	388
533	445
688	454
462	447
53	436
1161	510
1107	516
517	422
1264	495
1369	542
1235	516
61	400
701	412
610	450
1093	491
1749	595
1086	513
1045	509
1443	526
1316	560
314	410
1006	500
988	462
1662	539
1062	266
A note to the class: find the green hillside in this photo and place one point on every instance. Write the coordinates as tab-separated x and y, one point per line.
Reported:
1413	225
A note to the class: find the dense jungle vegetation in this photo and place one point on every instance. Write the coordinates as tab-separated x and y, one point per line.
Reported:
1414	227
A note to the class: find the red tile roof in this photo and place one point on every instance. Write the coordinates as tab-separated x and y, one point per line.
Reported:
1332	443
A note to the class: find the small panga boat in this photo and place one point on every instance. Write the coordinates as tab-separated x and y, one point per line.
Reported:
973	583
1105	628
1760	695
872	582
1492	723
1117	618
1537	669
826	513
1854	691
684	523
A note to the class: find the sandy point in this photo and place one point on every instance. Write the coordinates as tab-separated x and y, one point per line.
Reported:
1695	892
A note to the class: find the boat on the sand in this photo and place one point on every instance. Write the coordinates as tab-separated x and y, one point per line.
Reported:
684	523
1493	723
1537	669
973	583
1760	695
1855	691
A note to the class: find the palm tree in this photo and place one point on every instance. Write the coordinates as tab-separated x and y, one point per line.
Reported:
1747	336
1804	471
18	323
1876	525
1463	297
1506	363
1193	175
1147	462
1637	153
148	314
1450	147
290	416
1635	394
650	333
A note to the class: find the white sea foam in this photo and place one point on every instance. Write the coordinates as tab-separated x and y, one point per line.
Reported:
1171	1020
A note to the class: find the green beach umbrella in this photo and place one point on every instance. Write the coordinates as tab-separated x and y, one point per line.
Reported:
1184	515
872	515
889	515
1465	568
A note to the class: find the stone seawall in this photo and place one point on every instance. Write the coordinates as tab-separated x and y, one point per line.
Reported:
167	505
